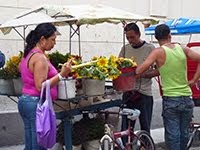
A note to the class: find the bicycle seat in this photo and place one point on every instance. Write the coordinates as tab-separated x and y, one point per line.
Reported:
131	114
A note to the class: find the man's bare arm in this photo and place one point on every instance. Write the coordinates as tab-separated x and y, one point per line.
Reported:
191	54
148	62
196	57
150	73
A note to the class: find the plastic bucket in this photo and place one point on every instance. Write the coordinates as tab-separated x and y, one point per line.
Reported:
126	81
66	89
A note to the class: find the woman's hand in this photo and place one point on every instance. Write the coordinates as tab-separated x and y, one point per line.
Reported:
66	69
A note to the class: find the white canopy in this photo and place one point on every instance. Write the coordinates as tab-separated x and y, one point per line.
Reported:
74	14
89	14
32	18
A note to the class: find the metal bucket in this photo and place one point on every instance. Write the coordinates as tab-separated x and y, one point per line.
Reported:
6	87
92	87
18	86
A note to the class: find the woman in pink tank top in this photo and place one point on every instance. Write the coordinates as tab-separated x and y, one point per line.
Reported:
35	69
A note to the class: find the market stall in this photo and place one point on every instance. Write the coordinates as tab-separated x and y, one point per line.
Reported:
75	16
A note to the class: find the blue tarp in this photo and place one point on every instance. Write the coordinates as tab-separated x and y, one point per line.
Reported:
179	26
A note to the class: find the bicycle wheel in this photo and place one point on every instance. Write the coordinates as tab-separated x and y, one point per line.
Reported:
143	142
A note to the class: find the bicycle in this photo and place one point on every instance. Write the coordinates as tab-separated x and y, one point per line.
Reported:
194	127
140	140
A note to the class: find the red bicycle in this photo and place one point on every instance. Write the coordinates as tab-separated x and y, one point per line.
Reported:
140	140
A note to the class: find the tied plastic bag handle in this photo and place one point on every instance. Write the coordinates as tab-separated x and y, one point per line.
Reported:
46	84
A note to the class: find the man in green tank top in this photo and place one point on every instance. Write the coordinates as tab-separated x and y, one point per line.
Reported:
171	60
141	99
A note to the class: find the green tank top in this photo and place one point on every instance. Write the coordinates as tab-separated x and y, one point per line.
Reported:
174	73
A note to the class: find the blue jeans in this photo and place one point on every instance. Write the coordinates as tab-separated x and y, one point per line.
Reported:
177	114
145	105
27	109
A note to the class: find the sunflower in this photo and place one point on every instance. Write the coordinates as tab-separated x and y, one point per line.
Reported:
126	62
12	65
103	67
112	61
102	62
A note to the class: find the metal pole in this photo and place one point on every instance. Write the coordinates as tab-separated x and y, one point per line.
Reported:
190	38
124	42
70	39
151	38
124	25
68	133
79	40
24	34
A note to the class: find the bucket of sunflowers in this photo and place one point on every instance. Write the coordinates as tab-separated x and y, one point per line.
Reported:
127	78
94	73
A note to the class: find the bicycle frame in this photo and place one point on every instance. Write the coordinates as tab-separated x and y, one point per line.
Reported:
111	139
126	133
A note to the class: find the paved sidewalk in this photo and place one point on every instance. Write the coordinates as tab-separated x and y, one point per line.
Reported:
157	135
14	147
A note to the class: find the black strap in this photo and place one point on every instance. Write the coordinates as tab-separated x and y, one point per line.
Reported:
30	58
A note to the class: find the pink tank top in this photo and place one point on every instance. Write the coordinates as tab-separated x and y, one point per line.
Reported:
29	87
